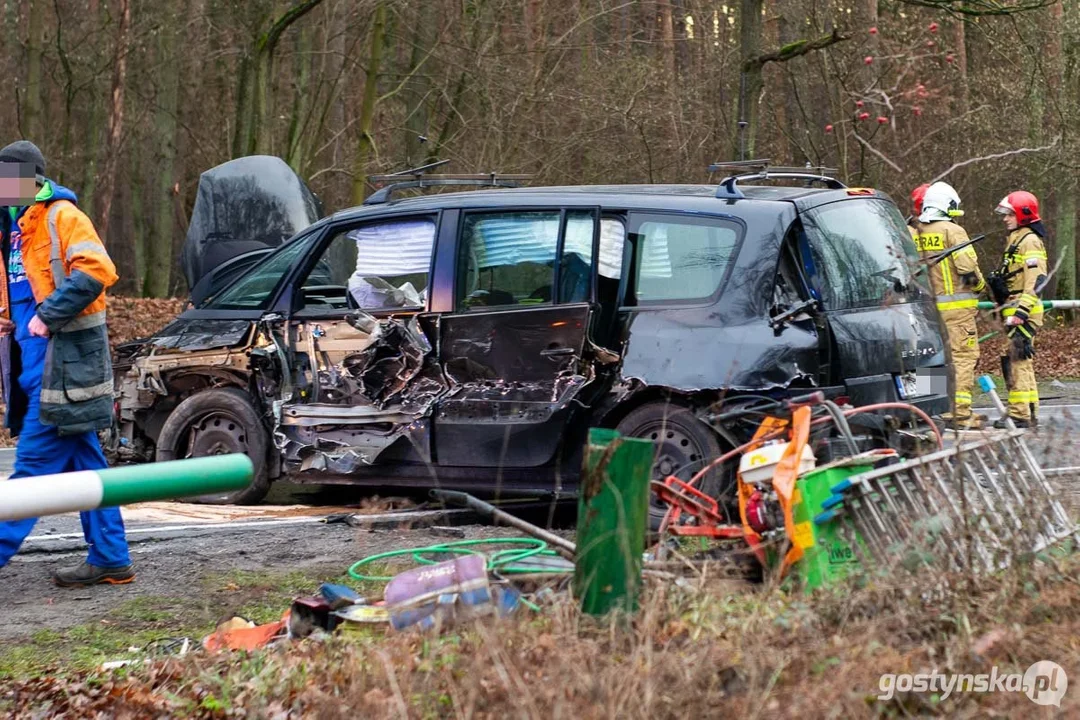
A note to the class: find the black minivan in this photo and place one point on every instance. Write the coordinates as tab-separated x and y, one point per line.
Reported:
470	339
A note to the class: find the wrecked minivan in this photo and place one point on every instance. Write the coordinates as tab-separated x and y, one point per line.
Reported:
470	339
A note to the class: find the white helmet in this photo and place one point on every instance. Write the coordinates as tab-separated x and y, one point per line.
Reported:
941	203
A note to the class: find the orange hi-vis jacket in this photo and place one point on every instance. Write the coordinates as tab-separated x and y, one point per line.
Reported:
68	269
78	248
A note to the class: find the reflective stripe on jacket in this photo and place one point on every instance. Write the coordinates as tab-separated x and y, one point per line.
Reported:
947	278
1025	261
69	269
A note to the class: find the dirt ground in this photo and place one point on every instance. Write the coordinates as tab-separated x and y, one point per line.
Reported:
194	565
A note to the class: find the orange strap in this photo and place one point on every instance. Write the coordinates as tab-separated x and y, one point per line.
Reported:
768	426
787	472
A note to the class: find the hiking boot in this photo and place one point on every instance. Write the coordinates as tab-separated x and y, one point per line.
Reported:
1020	423
87	574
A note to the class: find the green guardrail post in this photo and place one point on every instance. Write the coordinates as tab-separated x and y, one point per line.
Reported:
613	515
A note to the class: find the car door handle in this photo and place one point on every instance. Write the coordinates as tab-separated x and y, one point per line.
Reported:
557	352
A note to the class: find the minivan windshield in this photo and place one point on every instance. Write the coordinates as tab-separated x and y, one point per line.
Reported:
861	254
254	289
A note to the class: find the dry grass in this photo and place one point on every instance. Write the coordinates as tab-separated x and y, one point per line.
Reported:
700	651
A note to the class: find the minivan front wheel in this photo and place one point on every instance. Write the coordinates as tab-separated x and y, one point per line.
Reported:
683	445
220	421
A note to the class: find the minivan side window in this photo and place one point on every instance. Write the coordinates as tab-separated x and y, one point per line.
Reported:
863	253
507	258
680	258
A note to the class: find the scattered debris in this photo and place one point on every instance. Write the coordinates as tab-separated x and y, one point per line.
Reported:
241	634
177	647
453	497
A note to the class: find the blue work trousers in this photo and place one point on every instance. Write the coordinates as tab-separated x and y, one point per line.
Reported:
41	450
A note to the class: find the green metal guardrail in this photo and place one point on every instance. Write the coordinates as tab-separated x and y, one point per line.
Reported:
1047	305
93	489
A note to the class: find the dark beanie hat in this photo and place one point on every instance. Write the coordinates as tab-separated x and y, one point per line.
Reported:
24	151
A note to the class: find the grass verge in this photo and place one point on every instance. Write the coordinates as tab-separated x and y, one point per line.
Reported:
691	650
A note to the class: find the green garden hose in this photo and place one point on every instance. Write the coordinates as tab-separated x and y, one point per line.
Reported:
504	562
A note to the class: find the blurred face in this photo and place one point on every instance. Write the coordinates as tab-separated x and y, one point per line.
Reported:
18	184
1010	221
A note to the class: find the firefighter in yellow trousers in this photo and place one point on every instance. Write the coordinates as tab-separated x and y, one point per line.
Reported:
1017	285
956	281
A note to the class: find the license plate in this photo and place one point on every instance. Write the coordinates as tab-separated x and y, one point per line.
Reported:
909	386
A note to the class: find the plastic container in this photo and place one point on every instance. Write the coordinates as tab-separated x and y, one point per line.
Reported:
757	467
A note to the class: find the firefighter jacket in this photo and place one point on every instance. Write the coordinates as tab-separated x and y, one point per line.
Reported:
1024	268
956	281
68	270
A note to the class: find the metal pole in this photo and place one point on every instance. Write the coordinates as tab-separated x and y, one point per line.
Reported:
562	545
93	489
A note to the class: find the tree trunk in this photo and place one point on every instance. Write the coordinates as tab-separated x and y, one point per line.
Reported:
159	253
254	91
777	85
750	76
667	39
1064	54
69	94
960	59
301	110
132	267
1065	242
107	184
416	91
32	101
365	143
242	132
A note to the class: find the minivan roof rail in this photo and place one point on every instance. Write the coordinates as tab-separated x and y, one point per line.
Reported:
763	169
418	178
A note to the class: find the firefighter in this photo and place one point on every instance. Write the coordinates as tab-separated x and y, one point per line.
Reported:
917	196
956	282
1016	285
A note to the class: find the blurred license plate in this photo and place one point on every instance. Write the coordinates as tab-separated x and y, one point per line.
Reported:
911	385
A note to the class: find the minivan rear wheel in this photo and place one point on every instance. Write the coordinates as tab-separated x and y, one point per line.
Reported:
684	445
218	422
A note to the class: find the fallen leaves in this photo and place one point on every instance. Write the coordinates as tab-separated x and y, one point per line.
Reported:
1057	352
133	318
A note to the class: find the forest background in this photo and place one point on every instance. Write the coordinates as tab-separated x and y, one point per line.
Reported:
131	101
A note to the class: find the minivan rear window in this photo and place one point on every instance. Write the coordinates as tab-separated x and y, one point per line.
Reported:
679	258
863	254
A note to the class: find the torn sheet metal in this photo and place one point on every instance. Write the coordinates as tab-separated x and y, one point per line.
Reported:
362	384
517	403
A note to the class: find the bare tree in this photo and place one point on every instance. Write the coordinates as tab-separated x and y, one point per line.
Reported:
107	184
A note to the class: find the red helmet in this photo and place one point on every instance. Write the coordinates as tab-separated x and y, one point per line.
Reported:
1023	204
917	196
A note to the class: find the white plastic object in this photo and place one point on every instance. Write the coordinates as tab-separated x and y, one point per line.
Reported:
758	466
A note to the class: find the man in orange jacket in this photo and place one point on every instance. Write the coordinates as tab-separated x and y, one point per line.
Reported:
54	351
